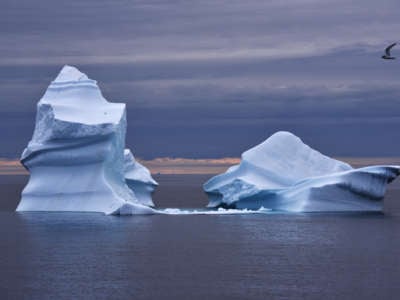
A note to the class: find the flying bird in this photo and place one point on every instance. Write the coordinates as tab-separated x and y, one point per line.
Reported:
387	52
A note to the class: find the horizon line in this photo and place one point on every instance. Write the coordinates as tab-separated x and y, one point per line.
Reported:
181	165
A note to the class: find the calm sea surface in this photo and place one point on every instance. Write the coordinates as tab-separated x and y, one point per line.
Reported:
277	256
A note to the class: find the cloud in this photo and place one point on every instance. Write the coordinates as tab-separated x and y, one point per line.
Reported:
11	167
89	32
210	79
168	165
164	165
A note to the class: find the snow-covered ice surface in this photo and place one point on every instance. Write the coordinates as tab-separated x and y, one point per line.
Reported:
76	155
284	174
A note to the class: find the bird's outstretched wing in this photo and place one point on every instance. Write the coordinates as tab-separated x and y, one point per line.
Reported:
387	50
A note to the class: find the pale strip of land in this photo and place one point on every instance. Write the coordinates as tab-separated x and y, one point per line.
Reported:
168	165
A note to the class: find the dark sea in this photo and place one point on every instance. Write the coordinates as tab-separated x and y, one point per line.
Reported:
269	256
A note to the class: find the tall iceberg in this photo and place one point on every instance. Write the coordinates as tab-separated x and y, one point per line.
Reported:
284	174
76	155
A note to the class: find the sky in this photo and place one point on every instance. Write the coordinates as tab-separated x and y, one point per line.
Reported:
210	79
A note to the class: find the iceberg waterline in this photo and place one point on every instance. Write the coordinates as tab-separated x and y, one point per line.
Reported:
284	174
76	156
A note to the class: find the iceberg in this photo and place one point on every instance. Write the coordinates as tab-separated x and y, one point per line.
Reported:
76	155
138	179
284	174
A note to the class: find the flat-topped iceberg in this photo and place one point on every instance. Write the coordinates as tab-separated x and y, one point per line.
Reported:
284	174
76	155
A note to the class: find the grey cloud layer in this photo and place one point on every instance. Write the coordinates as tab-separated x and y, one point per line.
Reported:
211	78
135	31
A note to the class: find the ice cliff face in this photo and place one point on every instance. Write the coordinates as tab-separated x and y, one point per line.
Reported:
76	155
284	174
138	179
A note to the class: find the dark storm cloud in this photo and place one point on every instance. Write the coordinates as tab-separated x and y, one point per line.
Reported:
211	78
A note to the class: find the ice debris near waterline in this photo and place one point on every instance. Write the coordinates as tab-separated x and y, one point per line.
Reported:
284	174
76	156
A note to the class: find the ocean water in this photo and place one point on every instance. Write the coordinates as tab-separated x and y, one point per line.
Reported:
277	256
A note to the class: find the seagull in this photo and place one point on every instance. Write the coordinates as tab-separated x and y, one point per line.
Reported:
387	52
